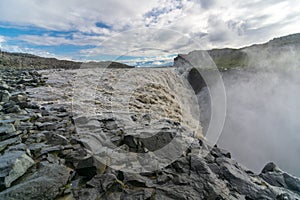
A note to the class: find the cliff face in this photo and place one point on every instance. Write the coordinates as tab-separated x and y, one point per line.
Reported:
28	61
280	56
259	96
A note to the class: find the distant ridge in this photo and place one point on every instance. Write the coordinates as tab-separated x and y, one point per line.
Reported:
29	61
227	58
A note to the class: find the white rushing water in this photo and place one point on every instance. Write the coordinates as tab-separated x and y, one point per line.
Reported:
136	98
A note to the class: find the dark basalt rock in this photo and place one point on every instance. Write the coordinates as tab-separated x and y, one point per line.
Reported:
63	167
12	166
87	167
4	96
196	80
46	183
8	131
276	177
270	167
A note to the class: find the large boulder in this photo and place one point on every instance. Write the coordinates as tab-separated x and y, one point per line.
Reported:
276	177
45	184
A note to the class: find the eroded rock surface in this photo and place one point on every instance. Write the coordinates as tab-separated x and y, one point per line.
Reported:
76	146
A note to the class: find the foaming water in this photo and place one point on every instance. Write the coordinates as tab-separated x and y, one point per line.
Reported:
109	105
262	122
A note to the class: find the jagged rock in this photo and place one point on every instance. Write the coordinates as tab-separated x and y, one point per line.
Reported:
86	193
4	96
217	152
26	81
284	196
26	118
105	186
4	86
46	126
18	147
12	166
35	149
59	109
55	139
40	137
36	138
137	180
89	166
270	167
7	131
46	183
52	158
8	142
18	98
102	182
31	105
68	197
45	119
145	193
276	177
26	126
163	178
6	121
293	183
13	109
51	149
196	80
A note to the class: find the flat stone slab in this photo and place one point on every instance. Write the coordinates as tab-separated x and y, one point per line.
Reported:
12	166
44	184
5	143
8	131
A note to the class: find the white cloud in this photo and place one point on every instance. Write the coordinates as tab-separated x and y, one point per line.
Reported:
144	42
73	14
77	39
15	48
210	23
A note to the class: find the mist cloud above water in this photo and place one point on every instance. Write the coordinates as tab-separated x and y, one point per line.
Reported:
263	109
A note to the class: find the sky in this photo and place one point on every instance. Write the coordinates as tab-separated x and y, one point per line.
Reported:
139	32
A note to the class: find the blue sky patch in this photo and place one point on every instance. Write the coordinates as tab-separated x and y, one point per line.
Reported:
75	30
102	25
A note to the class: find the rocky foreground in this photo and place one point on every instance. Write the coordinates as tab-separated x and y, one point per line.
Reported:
51	145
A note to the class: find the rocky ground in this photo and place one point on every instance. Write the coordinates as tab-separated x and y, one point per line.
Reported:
52	138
